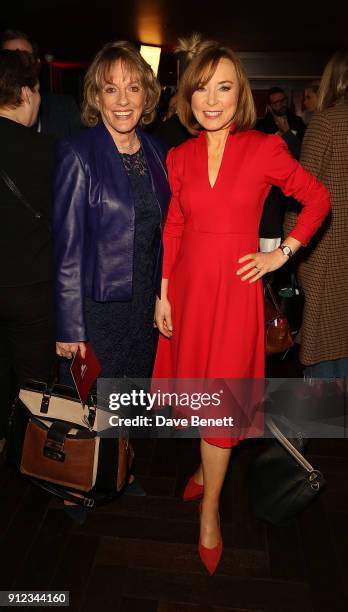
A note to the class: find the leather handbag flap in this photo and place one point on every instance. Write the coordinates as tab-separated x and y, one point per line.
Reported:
71	464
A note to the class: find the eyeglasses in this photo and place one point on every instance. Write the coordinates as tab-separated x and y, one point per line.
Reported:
279	101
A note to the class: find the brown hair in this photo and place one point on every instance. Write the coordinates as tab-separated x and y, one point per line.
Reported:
99	73
17	69
18	34
313	86
199	71
334	82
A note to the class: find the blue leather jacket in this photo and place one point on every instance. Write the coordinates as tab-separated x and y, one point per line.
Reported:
93	224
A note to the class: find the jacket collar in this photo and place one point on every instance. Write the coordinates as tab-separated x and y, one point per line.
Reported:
155	162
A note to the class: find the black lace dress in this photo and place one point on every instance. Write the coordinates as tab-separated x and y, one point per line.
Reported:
122	332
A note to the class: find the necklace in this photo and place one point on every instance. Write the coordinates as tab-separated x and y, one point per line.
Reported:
135	144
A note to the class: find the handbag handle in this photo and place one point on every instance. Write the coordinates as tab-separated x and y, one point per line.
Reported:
14	189
294	282
51	381
292	450
272	297
48	390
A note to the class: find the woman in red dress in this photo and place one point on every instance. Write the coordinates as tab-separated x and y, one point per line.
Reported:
210	314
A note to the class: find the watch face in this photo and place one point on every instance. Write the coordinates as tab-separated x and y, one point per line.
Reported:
286	250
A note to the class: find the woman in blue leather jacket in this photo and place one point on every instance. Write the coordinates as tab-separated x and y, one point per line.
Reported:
111	193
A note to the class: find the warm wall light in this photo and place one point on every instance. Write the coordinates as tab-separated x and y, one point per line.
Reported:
152	56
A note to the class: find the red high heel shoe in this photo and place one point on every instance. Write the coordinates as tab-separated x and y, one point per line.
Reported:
193	491
210	557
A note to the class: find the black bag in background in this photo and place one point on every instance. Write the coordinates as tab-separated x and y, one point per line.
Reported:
291	301
282	483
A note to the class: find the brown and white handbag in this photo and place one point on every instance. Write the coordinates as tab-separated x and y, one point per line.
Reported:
54	440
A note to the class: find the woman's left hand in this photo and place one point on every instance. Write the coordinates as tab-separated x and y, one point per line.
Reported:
260	264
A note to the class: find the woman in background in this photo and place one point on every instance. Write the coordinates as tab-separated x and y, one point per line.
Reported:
210	313
26	295
310	99
323	269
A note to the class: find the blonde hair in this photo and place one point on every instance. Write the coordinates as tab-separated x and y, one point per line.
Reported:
99	73
205	58
187	48
191	45
334	82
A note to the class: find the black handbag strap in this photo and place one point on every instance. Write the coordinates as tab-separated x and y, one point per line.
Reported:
294	282
58	431
80	500
14	189
55	439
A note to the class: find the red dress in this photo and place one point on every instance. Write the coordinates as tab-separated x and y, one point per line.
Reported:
218	319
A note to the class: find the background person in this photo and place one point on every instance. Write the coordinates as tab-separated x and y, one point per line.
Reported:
171	131
279	119
58	114
26	296
210	313
323	269
310	99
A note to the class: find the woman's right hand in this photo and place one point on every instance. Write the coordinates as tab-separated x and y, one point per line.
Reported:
68	349
163	317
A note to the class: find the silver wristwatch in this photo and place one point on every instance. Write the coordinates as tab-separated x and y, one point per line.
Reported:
286	250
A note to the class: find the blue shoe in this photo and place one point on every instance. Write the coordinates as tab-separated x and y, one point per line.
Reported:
135	488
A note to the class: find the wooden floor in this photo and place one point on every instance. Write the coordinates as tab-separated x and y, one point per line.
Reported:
140	553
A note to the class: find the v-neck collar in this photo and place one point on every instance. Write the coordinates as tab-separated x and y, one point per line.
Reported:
204	138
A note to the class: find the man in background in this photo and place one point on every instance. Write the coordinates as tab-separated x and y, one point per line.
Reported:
279	119
58	114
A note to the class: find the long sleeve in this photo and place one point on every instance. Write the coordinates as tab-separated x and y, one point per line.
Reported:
285	172
174	224
69	219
